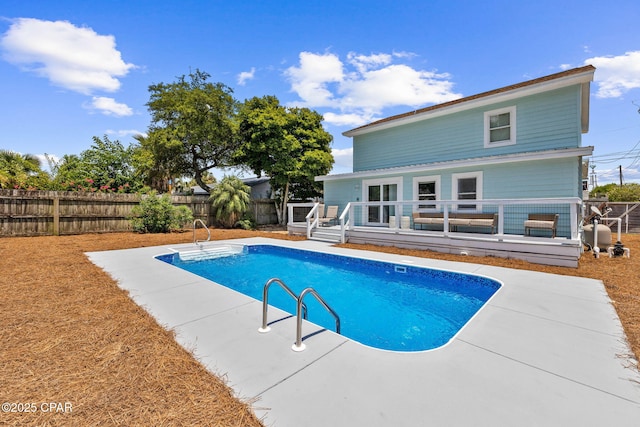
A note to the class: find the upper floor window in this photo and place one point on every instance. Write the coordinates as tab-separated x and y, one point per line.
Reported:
500	127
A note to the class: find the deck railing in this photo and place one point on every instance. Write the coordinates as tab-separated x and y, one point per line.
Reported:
511	215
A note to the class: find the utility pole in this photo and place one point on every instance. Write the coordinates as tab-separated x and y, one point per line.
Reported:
620	169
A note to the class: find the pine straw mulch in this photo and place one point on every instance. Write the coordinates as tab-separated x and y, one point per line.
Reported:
69	334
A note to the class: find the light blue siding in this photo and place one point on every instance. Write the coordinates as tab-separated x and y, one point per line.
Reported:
542	179
342	192
555	178
545	121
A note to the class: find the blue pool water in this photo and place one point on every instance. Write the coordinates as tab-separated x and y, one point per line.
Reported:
382	305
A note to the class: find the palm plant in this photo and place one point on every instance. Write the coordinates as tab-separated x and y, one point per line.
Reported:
230	200
16	168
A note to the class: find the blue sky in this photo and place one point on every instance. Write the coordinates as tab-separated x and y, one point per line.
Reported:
71	70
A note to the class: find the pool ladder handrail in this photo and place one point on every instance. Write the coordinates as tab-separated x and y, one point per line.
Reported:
195	222
299	345
265	301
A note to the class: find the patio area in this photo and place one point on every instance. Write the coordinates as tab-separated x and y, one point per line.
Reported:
542	231
546	350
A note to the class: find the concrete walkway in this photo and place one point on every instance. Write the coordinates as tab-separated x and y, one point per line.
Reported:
547	350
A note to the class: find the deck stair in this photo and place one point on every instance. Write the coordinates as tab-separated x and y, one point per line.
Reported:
326	234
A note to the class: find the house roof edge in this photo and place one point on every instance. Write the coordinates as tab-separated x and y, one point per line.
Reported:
581	75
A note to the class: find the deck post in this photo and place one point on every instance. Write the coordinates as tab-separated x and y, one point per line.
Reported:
574	220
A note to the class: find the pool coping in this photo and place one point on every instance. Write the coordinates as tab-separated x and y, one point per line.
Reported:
544	350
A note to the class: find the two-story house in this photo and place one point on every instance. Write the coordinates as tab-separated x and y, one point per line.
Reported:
512	152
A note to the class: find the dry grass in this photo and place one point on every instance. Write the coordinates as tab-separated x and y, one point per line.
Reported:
69	334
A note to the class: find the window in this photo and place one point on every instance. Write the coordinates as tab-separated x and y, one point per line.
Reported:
500	127
467	186
426	188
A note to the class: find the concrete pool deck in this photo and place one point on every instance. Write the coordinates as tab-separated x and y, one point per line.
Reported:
546	350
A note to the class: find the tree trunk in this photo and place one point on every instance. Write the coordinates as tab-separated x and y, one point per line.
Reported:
200	182
282	209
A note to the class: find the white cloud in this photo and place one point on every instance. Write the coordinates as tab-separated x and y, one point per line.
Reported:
246	75
629	174
125	132
616	75
408	55
364	62
109	107
347	119
75	58
311	79
364	85
398	85
343	160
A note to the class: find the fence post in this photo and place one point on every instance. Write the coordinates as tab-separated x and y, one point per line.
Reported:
56	215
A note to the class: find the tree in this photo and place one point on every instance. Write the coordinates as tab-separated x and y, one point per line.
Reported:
21	170
68	171
106	166
195	120
618	193
287	144
230	200
156	160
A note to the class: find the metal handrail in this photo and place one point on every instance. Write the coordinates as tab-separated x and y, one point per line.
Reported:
299	346
205	227
265	301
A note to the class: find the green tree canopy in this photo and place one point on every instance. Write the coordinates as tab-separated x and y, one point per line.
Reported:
20	170
194	122
106	166
617	193
157	160
287	144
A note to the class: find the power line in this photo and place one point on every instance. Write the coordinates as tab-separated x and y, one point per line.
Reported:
619	155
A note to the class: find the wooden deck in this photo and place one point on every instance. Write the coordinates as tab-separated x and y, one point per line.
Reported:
558	251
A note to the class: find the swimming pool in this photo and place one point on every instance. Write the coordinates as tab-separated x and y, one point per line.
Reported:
383	305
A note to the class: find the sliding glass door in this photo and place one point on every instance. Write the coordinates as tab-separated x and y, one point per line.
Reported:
386	190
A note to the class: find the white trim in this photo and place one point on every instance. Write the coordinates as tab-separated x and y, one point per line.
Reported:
454	185
366	183
478	162
432	178
512	127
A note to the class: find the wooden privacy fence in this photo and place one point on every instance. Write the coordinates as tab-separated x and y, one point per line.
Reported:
40	213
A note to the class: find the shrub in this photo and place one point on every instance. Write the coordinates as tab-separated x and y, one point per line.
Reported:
617	193
246	223
156	214
626	193
230	200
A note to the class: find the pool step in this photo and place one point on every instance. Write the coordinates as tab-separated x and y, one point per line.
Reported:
326	235
211	252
